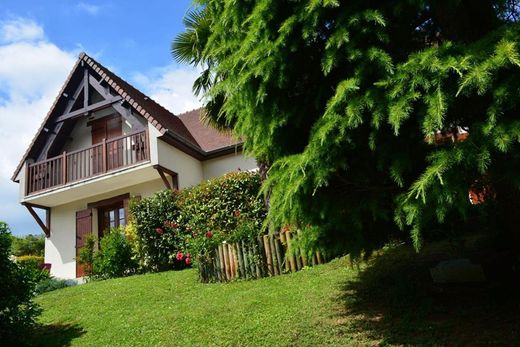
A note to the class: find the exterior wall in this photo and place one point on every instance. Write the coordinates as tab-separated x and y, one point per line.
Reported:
81	134
189	169
232	162
60	247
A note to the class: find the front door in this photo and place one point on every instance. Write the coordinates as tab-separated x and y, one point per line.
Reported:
83	229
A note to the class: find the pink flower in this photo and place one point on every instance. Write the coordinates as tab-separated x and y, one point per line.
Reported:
209	234
188	261
179	256
159	231
188	255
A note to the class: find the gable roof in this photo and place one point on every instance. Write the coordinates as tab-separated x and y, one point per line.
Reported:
186	132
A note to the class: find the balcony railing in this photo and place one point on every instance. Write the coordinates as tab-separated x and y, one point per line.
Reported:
109	155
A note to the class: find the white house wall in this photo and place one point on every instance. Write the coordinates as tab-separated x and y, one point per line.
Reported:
82	134
60	247
232	162
189	169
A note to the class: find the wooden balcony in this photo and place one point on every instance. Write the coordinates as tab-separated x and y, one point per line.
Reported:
97	160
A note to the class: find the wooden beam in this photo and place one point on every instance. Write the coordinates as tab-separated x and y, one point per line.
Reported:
86	110
109	201
46	227
57	128
85	88
162	171
164	179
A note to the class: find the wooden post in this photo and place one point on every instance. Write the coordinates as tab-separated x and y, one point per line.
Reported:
262	264
302	253
273	254
253	264
105	156
240	257
222	264
231	260
279	254
318	256
268	255
64	167
290	252
245	258
284	245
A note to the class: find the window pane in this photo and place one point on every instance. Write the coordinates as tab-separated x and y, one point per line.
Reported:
122	220
112	214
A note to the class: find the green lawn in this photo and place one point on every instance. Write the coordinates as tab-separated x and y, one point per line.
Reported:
390	302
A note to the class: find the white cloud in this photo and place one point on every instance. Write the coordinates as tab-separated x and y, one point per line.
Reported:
32	71
20	29
170	86
88	8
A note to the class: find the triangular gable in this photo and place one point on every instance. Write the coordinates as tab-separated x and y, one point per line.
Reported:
70	104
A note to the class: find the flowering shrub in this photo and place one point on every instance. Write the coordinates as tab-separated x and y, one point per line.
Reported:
157	235
196	220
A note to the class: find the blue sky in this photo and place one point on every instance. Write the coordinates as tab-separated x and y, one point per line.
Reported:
39	43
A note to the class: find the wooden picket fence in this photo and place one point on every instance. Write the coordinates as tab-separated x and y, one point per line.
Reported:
268	255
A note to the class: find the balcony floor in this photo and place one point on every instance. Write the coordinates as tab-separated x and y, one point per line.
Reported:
93	186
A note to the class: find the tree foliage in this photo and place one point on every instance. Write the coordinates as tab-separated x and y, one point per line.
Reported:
344	100
28	245
17	309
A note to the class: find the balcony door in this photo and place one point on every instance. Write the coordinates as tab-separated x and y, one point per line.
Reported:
106	129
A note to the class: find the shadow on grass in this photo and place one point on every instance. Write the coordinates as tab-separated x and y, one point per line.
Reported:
55	335
393	301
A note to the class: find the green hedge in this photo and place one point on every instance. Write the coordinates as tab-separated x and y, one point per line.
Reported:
171	228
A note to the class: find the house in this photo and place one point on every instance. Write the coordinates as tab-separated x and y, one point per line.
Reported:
102	143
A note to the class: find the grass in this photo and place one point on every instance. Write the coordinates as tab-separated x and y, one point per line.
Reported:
390	301
173	309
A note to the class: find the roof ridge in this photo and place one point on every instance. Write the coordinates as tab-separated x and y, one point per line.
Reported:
105	74
190	111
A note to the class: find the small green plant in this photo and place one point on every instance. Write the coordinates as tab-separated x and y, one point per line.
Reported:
52	283
114	258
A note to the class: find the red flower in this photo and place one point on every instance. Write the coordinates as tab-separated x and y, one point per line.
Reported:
188	255
237	213
209	234
179	256
188	261
159	231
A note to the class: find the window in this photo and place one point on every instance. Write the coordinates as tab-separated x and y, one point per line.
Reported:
112	217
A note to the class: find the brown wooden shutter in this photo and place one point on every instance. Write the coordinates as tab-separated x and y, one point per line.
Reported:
83	229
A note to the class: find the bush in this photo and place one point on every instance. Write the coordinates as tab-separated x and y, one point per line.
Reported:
32	265
17	310
86	254
157	233
114	258
28	245
196	219
52	283
30	260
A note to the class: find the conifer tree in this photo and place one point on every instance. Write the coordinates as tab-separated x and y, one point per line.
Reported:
377	118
